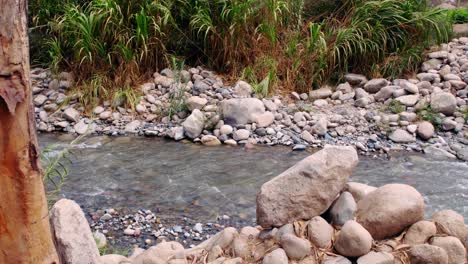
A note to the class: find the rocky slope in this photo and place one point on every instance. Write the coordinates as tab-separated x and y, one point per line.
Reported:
428	113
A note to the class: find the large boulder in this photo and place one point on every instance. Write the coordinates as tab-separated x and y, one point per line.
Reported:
307	189
73	237
353	240
388	210
319	232
444	103
193	125
241	111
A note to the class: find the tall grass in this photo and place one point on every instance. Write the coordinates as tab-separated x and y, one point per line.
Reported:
305	43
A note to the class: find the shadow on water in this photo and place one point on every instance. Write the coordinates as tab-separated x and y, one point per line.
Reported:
204	182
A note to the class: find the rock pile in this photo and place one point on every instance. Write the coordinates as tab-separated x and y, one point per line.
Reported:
427	113
383	225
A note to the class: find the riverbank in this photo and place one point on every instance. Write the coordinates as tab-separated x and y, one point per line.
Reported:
425	114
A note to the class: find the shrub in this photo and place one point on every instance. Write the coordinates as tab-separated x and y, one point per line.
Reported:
289	44
458	16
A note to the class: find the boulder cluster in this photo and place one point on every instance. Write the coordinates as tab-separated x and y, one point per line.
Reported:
308	214
426	113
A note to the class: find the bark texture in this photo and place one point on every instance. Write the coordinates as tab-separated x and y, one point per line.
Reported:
25	235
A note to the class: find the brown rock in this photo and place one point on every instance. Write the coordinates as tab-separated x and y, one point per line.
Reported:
296	248
307	189
451	223
376	258
420	232
453	246
427	254
388	210
159	253
353	240
319	232
277	256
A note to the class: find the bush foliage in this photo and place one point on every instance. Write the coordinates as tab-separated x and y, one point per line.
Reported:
277	43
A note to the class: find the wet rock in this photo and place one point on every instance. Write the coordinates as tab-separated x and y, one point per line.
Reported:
320	232
453	246
444	103
353	240
425	130
194	124
277	256
427	254
376	258
388	210
296	248
419	233
359	190
374	85
210	140
241	111
401	136
343	209
307	189
72	235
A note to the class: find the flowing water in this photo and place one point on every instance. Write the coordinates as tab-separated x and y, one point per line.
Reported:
204	182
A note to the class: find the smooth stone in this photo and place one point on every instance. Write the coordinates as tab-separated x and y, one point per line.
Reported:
408	100
451	223
343	209
243	89
444	103
401	136
320	232
132	127
226	129
196	102
419	233
71	114
277	256
390	209
376	258
374	85
355	79
241	111
210	140
296	248
114	259
72	234
453	246
336	260
427	254
265	119
321	93
353	240
39	99
241	134
425	130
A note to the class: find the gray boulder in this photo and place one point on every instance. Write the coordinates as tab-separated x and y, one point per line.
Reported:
343	209
374	85
401	136
241	111
307	189
444	103
193	125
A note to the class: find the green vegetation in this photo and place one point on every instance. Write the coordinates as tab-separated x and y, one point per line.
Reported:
427	114
458	16
110	249
396	107
283	44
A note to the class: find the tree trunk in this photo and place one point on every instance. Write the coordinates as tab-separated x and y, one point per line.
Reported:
25	235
